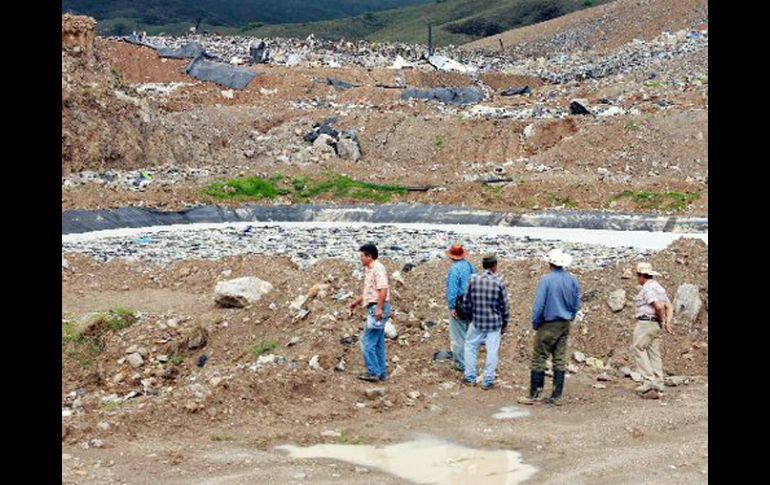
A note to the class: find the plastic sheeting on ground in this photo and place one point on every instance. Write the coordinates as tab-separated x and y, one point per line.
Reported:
220	73
446	95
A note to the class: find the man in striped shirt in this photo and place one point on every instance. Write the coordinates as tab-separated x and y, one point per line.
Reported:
486	304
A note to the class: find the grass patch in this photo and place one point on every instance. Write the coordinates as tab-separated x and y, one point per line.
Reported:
632	126
301	189
247	188
439	143
653	84
217	437
350	440
112	406
669	201
176	359
263	347
555	199
121	318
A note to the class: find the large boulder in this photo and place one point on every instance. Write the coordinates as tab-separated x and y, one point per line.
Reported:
240	292
617	300
687	302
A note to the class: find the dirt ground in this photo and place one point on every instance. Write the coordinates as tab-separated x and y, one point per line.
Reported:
225	418
578	162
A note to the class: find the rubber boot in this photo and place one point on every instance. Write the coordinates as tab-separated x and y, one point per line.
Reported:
558	387
536	384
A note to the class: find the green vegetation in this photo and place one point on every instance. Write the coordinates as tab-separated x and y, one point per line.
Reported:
263	347
301	189
120	318
120	17
555	199
176	359
453	21
667	201
80	348
439	143
222	438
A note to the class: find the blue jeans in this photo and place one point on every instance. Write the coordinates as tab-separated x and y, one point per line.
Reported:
373	343
473	341
457	331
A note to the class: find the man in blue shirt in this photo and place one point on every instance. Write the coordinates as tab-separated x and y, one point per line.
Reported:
556	305
456	285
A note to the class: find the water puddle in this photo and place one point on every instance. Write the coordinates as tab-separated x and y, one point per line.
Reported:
511	412
428	461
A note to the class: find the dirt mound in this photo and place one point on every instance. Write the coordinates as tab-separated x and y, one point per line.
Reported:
104	123
601	28
175	303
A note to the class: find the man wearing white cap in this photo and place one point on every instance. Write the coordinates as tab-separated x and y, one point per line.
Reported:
653	311
556	305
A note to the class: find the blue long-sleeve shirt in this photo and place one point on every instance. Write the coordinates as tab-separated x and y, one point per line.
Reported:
457	281
558	297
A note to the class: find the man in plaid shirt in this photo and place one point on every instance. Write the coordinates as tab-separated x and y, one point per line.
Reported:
486	304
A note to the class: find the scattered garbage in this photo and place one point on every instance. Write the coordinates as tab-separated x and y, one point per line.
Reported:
443	63
458	96
341	85
188	51
258	54
579	107
202	360
516	91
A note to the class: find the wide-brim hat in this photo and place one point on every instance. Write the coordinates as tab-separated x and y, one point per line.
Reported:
457	252
646	268
559	258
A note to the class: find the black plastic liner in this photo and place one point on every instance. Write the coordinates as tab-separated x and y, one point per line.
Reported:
80	221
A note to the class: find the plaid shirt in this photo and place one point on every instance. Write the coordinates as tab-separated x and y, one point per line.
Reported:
486	302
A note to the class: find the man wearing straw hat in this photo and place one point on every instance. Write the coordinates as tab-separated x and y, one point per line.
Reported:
653	313
456	284
556	304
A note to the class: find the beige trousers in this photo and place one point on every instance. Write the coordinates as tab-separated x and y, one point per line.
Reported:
647	350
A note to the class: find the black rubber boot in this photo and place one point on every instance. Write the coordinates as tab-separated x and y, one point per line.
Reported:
536	385
558	387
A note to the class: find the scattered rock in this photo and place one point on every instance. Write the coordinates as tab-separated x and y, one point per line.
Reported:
625	371
331	434
135	360
104	426
599	386
617	300
340	367
447	386
413	394
529	131
294	341
627	274
197	338
314	363
348	150
240	292
579	357
595	363
374	392
674	381
650	394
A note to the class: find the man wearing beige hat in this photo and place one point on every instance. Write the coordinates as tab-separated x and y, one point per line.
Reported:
652	313
456	285
556	304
